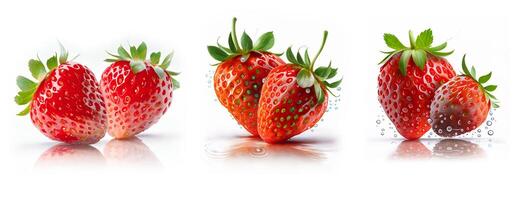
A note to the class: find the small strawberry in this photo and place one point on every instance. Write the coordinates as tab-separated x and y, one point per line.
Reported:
406	86
462	104
238	78
65	102
294	97
137	91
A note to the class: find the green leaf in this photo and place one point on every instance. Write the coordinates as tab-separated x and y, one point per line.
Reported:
110	60
52	62
308	60
491	88
333	73
299	59
175	83
304	78
123	54
133	52
247	43
137	66
217	53
24	97
390	54
231	43
38	70
419	57
464	66
290	56
473	72
319	92
393	42
441	54
166	62
334	84
141	51
171	73
25	111
438	48
25	84
160	72
485	78
403	62
264	42
63	58
424	39
154	58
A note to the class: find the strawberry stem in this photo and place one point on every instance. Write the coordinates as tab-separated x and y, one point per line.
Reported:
320	50
234	36
412	39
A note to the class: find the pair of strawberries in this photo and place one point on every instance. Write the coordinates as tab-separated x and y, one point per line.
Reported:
419	89
67	103
270	98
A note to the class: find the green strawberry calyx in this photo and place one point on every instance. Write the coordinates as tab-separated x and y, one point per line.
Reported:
419	49
308	76
137	58
39	73
488	89
243	48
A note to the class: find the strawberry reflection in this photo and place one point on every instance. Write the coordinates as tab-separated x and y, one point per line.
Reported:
252	147
412	149
64	156
445	148
129	152
454	148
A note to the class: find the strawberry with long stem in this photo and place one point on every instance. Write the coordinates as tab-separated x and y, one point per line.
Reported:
240	72
294	96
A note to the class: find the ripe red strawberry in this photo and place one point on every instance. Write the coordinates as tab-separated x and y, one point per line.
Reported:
238	78
65	103
137	91
462	104
294	97
406	86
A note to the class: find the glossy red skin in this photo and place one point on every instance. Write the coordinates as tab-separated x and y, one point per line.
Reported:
406	99
286	109
461	104
134	102
68	106
238	84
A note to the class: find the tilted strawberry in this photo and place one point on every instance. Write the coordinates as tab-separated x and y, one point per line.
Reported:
462	104
406	86
239	75
294	97
137	91
65	102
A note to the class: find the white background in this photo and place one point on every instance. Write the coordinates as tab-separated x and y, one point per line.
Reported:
197	151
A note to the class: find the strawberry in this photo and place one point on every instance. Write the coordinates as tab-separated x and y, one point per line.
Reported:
65	102
137	91
294	97
462	104
239	75
406	86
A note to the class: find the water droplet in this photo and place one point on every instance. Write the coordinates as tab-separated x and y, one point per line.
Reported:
490	132
244	58
338	89
378	122
449	128
308	90
489	123
430	120
440	131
